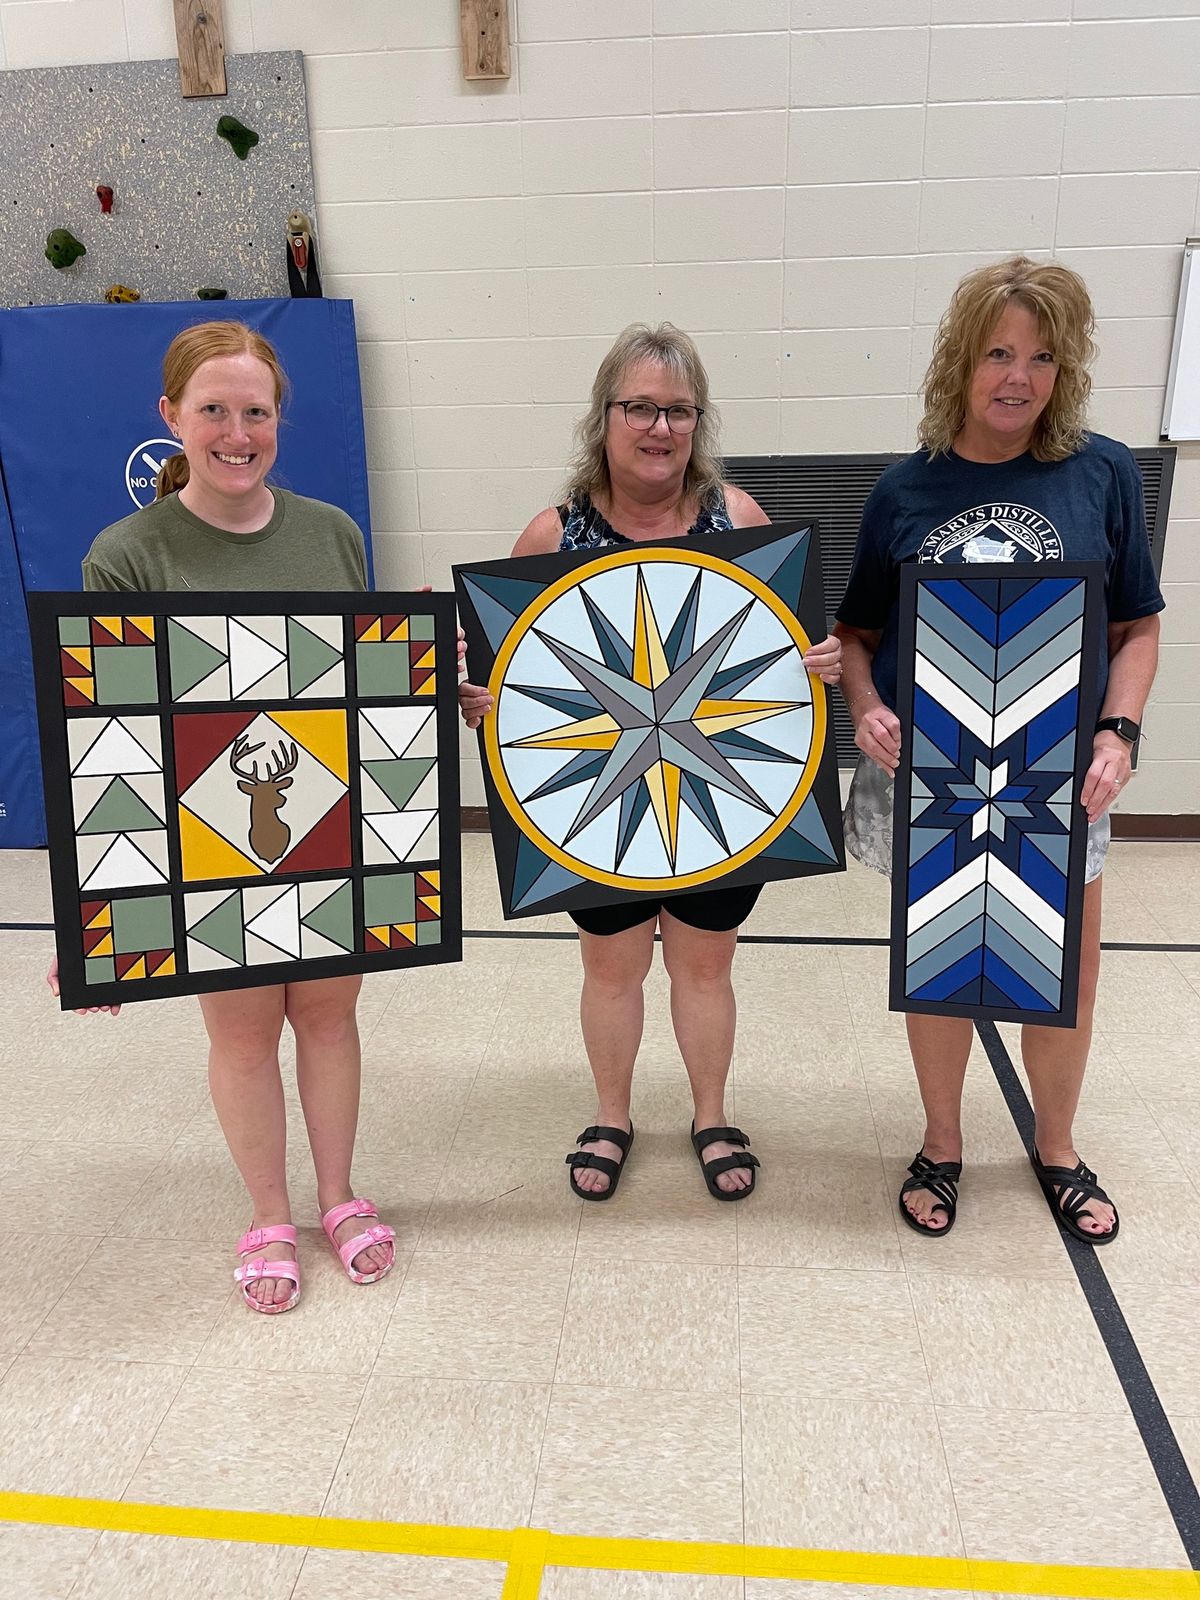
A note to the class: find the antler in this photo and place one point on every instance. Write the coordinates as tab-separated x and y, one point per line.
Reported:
287	764
241	749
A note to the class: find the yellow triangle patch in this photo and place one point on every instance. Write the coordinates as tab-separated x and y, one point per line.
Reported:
406	930
166	970
103	917
84	686
435	878
400	631
81	653
427	659
322	733
433	901
144	625
111	625
428	687
137	970
206	855
373	634
104	948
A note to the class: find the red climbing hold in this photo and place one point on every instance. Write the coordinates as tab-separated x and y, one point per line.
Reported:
106	197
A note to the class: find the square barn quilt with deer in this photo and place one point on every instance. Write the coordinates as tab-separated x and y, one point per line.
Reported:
247	798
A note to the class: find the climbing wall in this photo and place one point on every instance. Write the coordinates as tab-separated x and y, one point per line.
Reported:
187	213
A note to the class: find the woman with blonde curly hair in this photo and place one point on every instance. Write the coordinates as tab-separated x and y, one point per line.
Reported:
647	465
1007	471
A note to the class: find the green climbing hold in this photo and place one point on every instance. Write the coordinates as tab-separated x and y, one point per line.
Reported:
62	248
241	138
212	294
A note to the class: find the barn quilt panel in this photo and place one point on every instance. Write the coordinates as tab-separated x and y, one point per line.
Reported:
250	796
654	730
997	694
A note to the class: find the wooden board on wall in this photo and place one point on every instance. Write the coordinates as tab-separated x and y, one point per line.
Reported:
188	213
200	30
484	38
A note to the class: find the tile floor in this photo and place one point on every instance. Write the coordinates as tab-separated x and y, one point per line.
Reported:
798	1370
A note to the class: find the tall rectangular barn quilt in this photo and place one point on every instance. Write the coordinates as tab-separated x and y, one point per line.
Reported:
247	796
655	731
997	699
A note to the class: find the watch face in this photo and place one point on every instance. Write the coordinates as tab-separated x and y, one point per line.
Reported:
655	727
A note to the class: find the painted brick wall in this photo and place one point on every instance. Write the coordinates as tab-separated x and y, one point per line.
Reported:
799	183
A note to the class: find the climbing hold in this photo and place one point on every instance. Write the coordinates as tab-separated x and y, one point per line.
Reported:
212	294
106	197
120	294
303	278
241	138
62	248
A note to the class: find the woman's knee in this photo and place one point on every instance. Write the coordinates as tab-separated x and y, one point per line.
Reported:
323	1009
616	963
699	960
243	1027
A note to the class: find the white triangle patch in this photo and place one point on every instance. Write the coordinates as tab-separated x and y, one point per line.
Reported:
400	830
117	751
122	866
397	726
250	658
279	924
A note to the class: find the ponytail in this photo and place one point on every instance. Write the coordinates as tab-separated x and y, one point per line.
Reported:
172	476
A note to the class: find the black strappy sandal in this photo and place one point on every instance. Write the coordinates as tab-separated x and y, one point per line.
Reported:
713	1169
941	1179
1075	1187
611	1169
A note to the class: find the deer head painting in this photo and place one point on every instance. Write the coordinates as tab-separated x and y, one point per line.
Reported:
268	834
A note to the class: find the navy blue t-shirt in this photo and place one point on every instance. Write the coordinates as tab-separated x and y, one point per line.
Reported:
949	510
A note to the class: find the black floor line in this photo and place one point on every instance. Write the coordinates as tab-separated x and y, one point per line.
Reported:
1178	1487
745	938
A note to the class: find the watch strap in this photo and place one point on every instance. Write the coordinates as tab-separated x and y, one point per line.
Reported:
1124	727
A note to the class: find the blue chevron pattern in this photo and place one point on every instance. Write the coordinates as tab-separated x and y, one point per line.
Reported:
988	885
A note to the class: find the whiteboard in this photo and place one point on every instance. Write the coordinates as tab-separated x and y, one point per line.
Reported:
1181	412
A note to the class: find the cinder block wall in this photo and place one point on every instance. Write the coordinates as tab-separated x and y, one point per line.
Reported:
799	183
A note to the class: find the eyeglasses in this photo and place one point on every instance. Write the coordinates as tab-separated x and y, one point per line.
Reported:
642	415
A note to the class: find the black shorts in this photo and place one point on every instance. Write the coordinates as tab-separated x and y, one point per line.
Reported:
714	910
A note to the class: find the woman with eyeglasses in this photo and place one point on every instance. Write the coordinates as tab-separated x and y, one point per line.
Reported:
647	468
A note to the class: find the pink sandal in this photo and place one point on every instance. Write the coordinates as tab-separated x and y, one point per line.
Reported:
377	1233
251	1271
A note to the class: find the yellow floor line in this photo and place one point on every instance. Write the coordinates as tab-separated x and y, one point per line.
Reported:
528	1551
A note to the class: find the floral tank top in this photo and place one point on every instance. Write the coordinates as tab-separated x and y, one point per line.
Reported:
584	528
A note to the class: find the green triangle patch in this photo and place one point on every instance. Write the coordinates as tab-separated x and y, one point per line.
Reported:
120	810
221	930
333	919
309	658
192	659
400	779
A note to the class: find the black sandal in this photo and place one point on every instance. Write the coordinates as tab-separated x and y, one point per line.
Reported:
1075	1187
611	1169
941	1180
719	1164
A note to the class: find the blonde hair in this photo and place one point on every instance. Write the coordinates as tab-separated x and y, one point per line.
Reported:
186	354
1059	300
676	354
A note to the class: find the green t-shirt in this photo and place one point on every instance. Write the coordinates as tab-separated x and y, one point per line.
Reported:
307	545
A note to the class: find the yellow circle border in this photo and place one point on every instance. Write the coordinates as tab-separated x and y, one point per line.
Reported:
515	636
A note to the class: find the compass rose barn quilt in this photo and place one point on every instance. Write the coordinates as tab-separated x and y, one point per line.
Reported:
654	730
997	683
251	796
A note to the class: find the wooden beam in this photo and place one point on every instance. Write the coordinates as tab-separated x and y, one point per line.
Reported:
200	30
484	38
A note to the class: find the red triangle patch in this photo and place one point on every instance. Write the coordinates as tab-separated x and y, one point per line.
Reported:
200	737
361	624
325	845
373	943
126	961
72	696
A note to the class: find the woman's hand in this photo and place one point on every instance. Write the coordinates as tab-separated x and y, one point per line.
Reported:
83	1011
1107	775
474	703
824	660
877	735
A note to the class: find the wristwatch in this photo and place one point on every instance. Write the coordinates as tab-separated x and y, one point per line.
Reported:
1124	728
